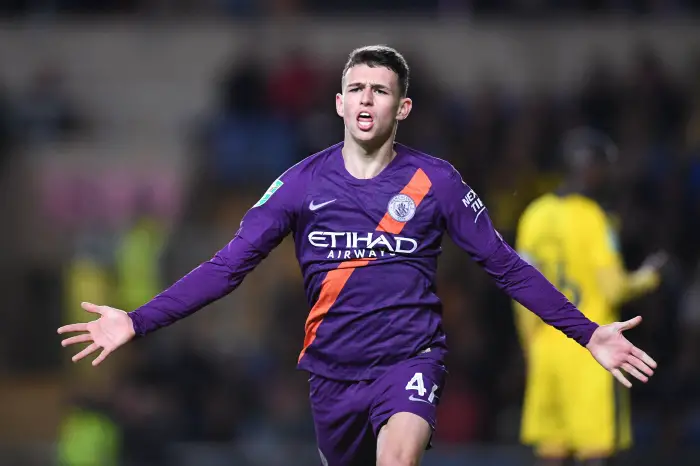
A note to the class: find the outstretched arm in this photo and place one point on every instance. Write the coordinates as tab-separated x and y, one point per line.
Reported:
468	224
208	282
263	227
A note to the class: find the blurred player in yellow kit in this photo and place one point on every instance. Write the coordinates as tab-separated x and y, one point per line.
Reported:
573	408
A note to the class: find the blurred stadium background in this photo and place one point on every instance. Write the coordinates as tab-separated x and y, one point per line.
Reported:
135	134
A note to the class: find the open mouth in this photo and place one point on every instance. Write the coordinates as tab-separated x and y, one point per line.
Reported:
365	121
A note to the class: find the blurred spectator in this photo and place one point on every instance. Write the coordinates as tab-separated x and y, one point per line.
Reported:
47	112
598	105
211	405
88	436
137	256
142	406
292	85
247	145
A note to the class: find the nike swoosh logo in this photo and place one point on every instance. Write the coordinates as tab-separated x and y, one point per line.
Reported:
413	398
313	206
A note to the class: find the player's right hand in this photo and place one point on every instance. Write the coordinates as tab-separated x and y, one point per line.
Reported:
655	261
110	331
648	276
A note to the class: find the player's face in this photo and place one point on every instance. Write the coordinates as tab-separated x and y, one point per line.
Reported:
371	103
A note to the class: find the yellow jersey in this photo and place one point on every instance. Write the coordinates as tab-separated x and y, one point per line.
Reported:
570	240
572	405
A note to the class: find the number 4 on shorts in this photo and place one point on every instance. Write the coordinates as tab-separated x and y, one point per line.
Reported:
416	383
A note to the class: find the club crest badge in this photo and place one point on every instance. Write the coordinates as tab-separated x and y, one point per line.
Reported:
402	208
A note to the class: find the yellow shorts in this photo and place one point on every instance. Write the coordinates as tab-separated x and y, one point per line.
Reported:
572	405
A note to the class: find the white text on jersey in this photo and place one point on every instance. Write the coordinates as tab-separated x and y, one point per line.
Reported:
360	245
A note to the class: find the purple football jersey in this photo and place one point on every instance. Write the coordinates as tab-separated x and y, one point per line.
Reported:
368	251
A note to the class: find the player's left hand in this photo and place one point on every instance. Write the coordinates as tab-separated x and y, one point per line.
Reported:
614	352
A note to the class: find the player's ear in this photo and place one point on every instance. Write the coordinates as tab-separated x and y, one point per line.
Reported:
339	108
405	106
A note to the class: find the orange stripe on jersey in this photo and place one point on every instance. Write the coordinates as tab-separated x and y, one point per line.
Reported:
335	280
332	285
416	189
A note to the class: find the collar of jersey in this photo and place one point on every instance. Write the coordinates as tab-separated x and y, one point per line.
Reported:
388	170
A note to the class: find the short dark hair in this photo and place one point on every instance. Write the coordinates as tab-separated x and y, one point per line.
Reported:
380	55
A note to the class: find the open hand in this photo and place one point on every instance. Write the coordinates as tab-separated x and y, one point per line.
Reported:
110	331
614	352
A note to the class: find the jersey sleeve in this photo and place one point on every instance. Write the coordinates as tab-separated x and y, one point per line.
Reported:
468	224
263	227
526	322
466	218
272	218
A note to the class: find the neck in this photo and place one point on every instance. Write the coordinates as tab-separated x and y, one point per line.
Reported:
367	161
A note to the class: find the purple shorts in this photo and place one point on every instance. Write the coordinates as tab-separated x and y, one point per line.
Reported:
348	415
